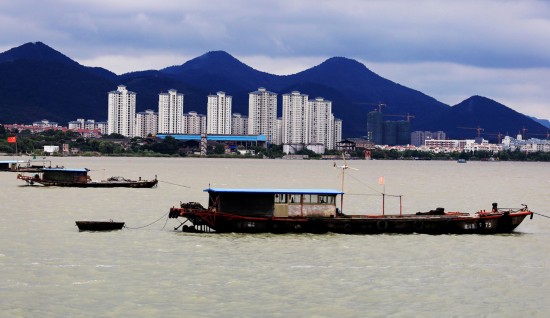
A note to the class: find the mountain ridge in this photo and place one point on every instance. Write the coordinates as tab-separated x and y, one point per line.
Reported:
350	85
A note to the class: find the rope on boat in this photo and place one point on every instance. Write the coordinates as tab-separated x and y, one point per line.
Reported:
140	227
546	216
179	185
378	192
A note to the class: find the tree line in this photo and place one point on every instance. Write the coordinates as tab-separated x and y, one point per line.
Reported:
117	145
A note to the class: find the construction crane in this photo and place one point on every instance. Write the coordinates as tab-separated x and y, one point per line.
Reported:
547	135
379	105
479	130
523	130
499	135
408	116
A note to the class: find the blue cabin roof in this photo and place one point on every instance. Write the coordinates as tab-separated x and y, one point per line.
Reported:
11	161
276	190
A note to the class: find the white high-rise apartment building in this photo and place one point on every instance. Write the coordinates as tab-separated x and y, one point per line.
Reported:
194	124
337	130
121	112
170	112
262	114
239	124
219	114
146	123
296	117
279	139
322	122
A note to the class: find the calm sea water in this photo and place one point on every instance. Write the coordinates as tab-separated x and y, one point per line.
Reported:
50	269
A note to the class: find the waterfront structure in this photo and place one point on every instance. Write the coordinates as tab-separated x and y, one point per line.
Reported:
194	123
170	113
81	123
219	114
262	114
45	124
88	128
527	146
296	117
419	137
146	123
374	127
121	112
239	124
102	126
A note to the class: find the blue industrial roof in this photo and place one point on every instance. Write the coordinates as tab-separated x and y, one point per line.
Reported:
66	170
216	137
277	190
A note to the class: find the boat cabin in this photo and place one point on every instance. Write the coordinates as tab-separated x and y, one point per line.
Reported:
9	165
274	202
65	175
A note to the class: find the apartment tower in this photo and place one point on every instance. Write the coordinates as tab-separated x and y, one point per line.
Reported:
218	114
296	117
121	112
262	114
170	112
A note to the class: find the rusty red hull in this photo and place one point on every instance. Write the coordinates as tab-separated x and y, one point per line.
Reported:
204	220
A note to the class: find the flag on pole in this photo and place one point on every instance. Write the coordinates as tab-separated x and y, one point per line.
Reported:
381	180
12	139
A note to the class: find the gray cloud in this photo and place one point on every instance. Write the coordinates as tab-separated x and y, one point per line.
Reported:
446	43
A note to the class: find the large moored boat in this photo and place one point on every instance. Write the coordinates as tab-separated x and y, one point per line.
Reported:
315	211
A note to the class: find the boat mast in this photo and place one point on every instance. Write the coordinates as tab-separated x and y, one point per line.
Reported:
343	167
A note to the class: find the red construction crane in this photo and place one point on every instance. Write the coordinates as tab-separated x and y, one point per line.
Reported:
408	116
479	130
499	135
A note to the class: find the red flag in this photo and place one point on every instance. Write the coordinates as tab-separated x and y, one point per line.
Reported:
12	139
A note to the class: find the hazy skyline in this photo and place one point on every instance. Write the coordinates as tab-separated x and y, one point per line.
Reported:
449	50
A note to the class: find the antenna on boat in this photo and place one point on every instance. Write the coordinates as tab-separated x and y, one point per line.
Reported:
343	167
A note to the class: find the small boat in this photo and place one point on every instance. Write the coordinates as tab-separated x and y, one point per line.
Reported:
99	225
62	177
315	211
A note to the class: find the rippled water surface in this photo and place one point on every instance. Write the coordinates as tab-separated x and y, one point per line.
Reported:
50	269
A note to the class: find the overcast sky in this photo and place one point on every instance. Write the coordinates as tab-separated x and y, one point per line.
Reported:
447	49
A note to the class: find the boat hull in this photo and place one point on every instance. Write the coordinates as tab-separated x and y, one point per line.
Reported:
90	184
99	225
107	184
457	223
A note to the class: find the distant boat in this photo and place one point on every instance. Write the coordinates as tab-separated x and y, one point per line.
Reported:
99	225
62	177
31	165
461	161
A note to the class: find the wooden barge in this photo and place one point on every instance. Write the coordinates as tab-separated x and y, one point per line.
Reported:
315	211
62	177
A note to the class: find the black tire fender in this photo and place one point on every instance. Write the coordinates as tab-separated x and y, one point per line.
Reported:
418	226
382	225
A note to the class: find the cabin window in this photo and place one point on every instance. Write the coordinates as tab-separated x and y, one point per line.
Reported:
280	198
295	198
311	198
326	199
